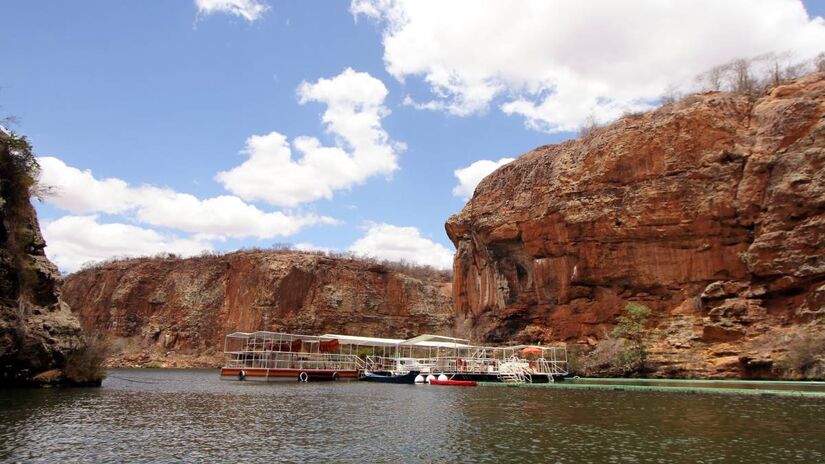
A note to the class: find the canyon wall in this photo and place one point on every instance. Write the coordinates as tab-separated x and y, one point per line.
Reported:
175	312
710	211
37	329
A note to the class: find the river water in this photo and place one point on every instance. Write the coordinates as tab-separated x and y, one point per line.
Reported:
192	416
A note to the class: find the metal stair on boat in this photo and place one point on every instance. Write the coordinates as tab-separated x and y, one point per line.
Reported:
512	371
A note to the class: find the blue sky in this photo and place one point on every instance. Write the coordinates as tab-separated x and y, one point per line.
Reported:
165	94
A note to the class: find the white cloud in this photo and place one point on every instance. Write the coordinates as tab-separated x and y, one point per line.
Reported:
247	9
224	216
75	240
395	243
354	112
556	63
469	177
80	192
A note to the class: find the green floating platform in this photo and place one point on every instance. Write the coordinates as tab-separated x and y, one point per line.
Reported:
764	386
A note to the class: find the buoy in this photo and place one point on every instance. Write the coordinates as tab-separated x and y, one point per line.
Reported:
241	375
419	378
442	377
430	377
303	376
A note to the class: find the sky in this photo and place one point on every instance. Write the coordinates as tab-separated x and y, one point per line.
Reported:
356	126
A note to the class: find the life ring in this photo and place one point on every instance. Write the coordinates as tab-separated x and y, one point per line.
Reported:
334	375
241	375
303	377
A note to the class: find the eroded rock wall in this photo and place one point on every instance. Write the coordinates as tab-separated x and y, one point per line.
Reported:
711	211
37	329
175	312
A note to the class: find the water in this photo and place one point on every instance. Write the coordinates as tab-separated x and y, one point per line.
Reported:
190	415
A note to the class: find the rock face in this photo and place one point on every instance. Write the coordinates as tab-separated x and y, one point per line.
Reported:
37	329
175	312
710	211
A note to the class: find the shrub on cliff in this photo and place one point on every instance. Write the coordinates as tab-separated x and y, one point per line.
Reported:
84	363
605	360
624	352
20	168
631	330
805	357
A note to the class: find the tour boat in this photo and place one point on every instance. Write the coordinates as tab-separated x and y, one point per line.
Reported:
275	356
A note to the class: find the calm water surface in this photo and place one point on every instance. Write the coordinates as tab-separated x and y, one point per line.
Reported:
190	415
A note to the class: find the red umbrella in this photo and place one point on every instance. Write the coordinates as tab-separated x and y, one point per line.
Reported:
531	350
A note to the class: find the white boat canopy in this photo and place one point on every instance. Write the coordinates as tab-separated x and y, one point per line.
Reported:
362	341
437	341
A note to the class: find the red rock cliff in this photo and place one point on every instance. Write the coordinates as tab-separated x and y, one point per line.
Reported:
175	312
711	211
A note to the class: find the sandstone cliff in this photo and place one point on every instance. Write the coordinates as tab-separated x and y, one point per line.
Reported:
711	211
37	329
175	312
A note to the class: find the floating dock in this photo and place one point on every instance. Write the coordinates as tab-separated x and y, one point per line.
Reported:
739	387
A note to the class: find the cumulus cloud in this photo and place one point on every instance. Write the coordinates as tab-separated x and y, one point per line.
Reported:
80	192
469	177
362	148
557	63
247	9
396	243
76	240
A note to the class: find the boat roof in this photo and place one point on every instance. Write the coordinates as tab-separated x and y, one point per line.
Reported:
421	341
521	347
279	335
427	338
368	341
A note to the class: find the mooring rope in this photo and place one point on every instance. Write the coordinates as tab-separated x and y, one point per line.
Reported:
132	380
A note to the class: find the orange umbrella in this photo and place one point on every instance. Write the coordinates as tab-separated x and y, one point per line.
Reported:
531	350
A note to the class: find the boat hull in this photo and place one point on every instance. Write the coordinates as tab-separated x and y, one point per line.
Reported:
454	383
286	375
408	378
477	377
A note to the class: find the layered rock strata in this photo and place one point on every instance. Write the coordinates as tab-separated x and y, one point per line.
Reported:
711	211
175	312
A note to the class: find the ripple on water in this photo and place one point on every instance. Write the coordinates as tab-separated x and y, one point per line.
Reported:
170	415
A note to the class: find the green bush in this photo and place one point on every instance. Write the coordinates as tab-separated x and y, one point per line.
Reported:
22	168
623	352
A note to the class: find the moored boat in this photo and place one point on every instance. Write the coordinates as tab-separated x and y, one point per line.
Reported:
454	383
390	377
273	356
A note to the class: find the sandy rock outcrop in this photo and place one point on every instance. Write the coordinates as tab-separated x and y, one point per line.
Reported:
711	211
175	312
37	328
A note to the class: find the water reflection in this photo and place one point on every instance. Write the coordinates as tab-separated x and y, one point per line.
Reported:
192	416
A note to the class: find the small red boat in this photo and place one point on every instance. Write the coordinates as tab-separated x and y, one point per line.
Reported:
454	383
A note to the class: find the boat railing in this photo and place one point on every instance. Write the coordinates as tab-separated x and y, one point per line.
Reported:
552	366
489	365
393	364
473	365
440	364
293	360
